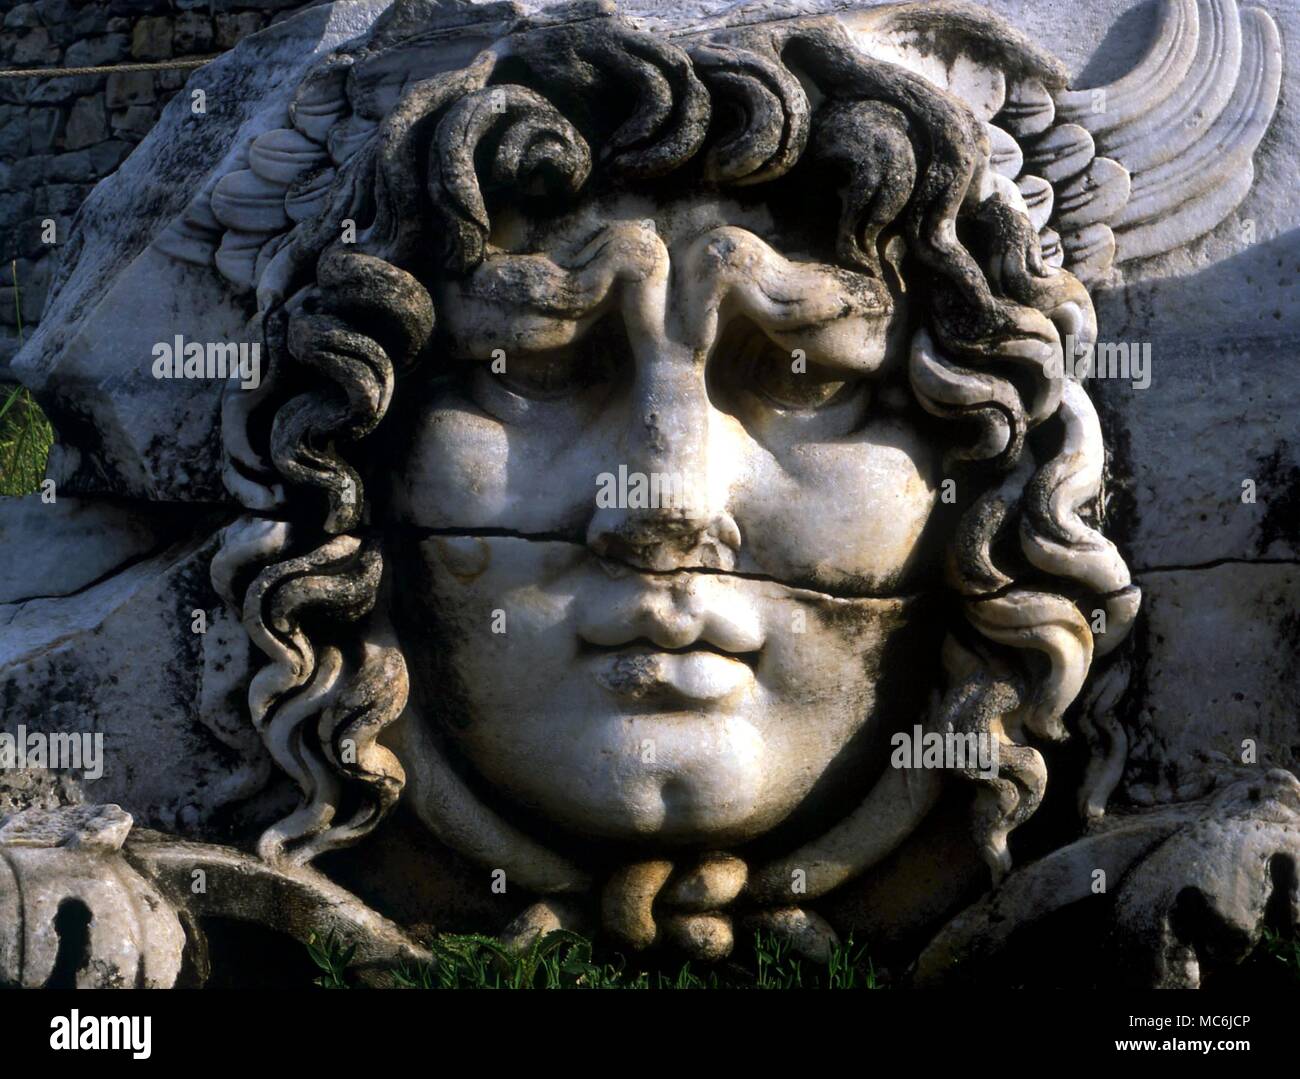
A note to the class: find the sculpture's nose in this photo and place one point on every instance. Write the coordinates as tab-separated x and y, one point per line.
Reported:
663	507
661	543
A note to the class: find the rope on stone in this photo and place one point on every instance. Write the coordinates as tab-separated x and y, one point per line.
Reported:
108	69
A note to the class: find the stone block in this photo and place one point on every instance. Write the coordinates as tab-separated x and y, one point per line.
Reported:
87	123
15	134
61	199
31	171
45	126
98	51
234	27
22	17
192	34
129	88
56	12
152	38
134	122
34	49
59	90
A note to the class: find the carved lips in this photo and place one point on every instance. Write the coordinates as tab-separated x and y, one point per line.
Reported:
694	675
665	643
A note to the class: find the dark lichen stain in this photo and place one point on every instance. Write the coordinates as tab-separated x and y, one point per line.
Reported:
1278	490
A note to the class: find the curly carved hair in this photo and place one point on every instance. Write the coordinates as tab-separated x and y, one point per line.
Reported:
728	109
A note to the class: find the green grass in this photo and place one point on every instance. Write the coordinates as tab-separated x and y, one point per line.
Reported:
25	439
25	433
1280	952
565	961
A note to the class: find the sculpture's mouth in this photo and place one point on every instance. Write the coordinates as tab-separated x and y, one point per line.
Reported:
671	644
641	670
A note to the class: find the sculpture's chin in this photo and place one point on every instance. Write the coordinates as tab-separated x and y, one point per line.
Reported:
671	777
663	778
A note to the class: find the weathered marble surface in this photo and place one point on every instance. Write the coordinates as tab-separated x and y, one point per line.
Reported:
1212	656
99	316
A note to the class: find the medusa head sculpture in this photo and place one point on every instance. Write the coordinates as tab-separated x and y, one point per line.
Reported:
667	431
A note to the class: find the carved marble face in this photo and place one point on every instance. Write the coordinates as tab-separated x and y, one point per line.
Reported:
665	547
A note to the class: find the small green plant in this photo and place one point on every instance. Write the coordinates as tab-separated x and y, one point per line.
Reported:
333	958
847	967
1281	950
560	960
563	960
25	439
25	433
777	968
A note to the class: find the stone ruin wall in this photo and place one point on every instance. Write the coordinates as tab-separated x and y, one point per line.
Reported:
60	136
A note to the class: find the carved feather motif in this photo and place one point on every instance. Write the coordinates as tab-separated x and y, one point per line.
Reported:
1168	147
1135	168
1110	174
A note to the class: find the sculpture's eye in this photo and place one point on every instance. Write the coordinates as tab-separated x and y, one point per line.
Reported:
790	383
782	378
782	395
589	363
580	373
546	376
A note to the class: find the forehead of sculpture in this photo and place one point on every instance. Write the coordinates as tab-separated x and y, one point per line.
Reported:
676	219
676	266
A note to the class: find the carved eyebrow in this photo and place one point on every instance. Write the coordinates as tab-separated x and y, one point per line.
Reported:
532	303
839	316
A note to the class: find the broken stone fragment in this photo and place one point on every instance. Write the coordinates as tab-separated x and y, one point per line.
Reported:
66	891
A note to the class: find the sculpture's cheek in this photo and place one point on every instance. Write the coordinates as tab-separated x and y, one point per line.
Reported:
461	468
845	515
454	468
